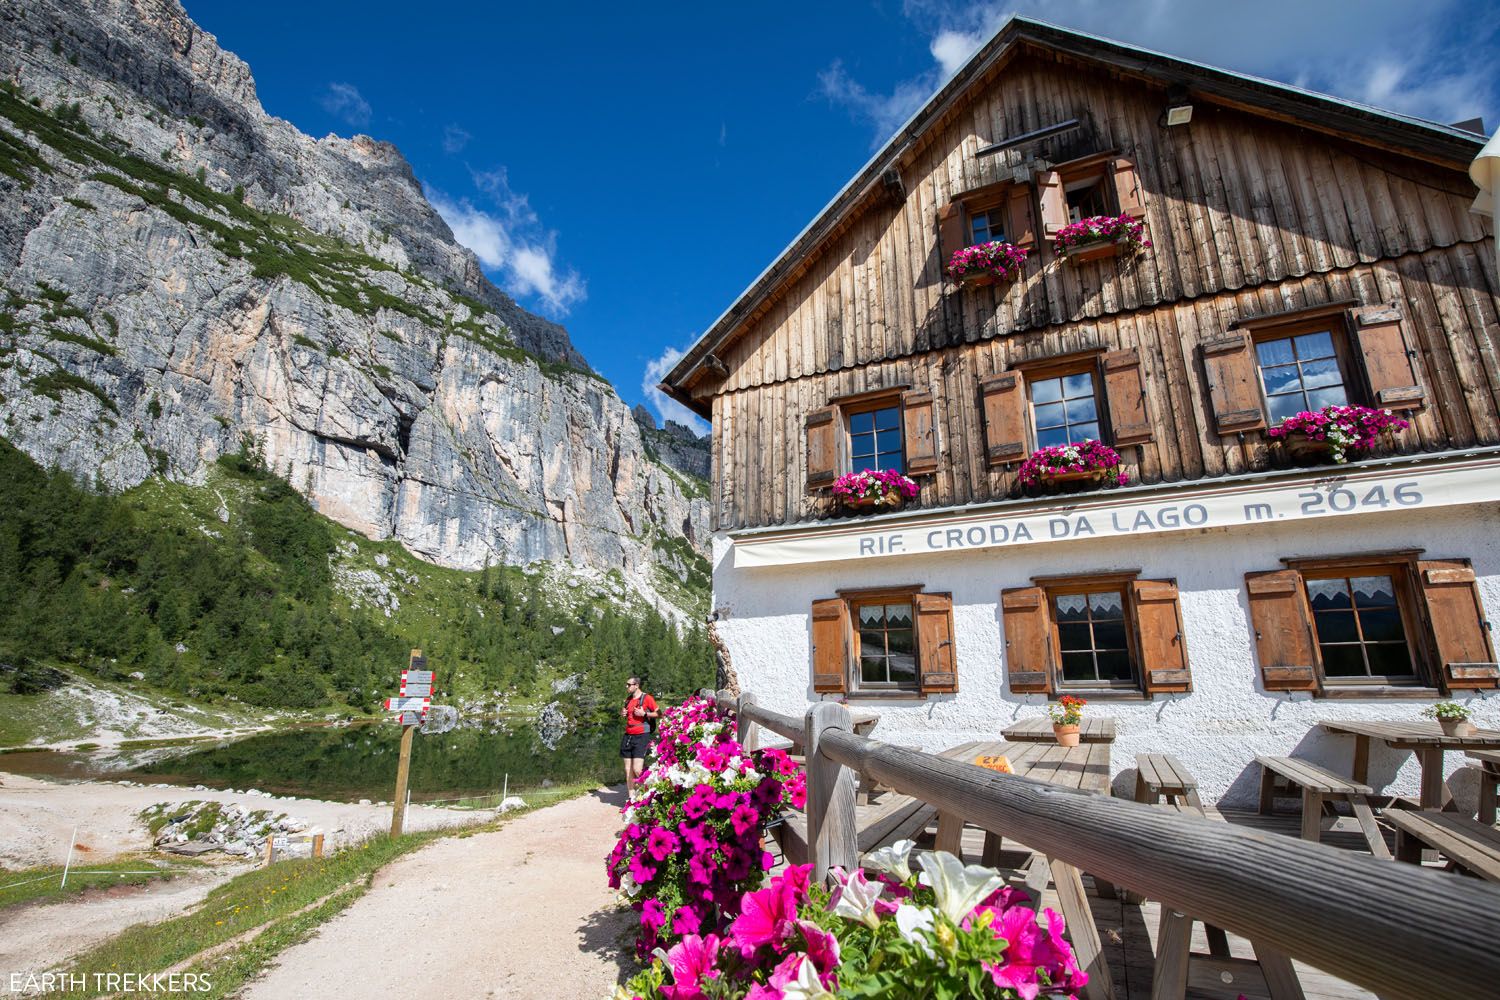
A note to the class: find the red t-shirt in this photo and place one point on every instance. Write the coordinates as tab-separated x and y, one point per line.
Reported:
636	726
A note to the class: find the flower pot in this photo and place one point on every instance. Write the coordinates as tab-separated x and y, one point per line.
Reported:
1300	446
1067	736
1080	476
1456	727
1098	250
979	279
890	500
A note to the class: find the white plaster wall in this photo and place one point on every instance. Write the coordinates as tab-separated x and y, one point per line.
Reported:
1217	730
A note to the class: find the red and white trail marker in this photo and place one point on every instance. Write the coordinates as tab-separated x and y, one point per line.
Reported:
407	704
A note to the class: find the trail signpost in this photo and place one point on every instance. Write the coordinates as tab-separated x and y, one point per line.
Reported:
412	706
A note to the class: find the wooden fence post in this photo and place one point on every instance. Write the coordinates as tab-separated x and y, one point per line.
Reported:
830	794
746	732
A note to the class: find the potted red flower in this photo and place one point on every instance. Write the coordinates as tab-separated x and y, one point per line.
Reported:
986	263
871	489
1067	715
1100	236
1088	461
1335	431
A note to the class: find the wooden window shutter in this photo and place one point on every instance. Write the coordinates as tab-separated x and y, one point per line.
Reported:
1004	406
822	448
1459	626
1283	630
1054	202
1388	368
920	432
1131	198
953	232
1028	639
830	645
1125	394
935	658
1233	382
1158	619
1020	226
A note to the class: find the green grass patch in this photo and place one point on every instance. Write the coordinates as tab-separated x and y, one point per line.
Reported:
89	343
31	885
58	381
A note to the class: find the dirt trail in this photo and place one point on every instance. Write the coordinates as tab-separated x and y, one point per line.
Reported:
35	936
523	911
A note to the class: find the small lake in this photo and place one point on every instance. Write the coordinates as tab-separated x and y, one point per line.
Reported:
351	762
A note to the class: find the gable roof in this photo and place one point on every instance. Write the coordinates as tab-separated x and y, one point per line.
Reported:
1443	144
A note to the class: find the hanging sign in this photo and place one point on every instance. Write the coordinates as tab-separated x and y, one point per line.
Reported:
1145	512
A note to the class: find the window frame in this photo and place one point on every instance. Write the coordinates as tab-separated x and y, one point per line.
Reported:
1054	587
1097	166
1402	569
1335	325
1061	368
854	683
990	208
885	400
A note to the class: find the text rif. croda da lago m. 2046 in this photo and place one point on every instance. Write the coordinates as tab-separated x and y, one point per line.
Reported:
1048	402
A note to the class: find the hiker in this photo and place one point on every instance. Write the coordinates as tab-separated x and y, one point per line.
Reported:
639	707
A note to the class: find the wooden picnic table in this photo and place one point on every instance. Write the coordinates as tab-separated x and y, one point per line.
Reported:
1093	729
1426	739
1084	768
1489	782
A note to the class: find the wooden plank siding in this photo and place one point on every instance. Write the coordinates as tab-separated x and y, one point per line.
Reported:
1247	216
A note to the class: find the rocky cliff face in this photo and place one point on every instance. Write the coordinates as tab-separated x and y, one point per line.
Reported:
181	269
675	444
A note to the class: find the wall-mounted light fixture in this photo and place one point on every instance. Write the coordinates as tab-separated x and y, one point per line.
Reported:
1179	110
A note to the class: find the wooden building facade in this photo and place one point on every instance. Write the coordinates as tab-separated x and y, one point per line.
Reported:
1302	251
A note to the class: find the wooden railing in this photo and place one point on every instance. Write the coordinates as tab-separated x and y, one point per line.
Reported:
1400	930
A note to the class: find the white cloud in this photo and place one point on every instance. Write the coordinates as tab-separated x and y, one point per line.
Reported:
665	406
345	102
512	243
1380	52
455	139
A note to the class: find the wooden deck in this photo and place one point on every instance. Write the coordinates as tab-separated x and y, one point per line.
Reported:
1128	931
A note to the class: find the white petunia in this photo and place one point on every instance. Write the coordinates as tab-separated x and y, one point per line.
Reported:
628	885
912	922
958	888
892	860
856	898
806	986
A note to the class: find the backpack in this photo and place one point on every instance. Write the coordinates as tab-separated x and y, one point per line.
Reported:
648	721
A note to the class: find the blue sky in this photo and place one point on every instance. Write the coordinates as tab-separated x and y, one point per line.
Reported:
627	171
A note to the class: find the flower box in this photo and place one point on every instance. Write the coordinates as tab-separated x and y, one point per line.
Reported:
1085	462
986	264
892	500
1097	250
1078	476
1336	430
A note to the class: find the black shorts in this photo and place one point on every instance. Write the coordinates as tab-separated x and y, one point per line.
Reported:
635	745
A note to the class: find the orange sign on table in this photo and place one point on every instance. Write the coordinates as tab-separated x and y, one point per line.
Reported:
995	762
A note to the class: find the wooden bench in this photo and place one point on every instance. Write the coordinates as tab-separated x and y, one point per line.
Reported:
1160	775
1320	789
1466	843
1489	782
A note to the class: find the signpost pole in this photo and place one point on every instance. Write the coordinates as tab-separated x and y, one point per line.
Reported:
403	768
398	804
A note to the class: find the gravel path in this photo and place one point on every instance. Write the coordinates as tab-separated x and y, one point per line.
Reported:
523	911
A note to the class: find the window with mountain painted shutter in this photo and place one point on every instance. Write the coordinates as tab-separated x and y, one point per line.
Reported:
1004	404
1028	639
1164	661
1460	628
1388	367
822	448
1233	382
1283	630
830	645
1130	423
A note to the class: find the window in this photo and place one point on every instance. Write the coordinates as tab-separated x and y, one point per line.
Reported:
1358	621
875	440
1088	196
1065	409
885	644
1092	639
1300	372
987	226
894	642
